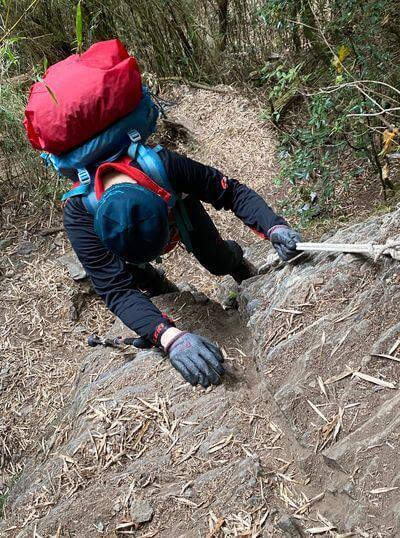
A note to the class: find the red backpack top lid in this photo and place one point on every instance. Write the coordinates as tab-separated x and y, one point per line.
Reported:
81	96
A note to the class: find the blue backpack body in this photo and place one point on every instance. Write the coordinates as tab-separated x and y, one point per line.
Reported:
78	164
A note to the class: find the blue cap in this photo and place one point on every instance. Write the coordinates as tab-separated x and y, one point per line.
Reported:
132	222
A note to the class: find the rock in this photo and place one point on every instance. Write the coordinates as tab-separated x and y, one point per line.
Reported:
349	489
74	267
141	511
198	296
5	243
290	526
252	306
307	323
228	293
117	508
271	261
99	526
25	248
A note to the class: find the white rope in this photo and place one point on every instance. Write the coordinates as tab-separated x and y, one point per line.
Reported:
390	248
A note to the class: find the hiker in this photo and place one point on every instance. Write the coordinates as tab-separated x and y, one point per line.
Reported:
129	210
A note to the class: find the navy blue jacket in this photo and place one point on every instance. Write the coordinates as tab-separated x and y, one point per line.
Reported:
108	273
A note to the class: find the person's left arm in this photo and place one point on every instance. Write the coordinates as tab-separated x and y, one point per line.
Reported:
210	185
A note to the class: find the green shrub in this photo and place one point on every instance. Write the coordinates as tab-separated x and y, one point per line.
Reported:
341	59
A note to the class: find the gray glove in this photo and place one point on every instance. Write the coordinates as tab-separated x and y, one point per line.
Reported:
197	359
284	241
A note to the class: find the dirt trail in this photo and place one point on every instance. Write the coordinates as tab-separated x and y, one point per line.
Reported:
225	131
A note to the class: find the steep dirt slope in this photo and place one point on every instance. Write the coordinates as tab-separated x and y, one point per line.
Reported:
45	317
293	443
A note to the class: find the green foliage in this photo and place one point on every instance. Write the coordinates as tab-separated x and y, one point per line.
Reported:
200	39
333	63
314	161
343	57
283	79
284	89
9	57
79	28
21	166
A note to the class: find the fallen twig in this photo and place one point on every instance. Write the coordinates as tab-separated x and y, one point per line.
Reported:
51	231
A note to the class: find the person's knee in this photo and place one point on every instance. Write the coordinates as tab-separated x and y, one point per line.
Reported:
217	270
228	256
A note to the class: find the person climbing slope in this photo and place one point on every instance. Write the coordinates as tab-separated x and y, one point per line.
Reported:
130	203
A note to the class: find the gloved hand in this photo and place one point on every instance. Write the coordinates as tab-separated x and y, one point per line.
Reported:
284	241
197	359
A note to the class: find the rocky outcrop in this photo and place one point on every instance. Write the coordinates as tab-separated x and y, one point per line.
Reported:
322	328
301	437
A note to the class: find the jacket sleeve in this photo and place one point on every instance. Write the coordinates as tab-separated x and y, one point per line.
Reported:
109	275
210	185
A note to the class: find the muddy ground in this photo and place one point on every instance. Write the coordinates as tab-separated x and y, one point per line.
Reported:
297	441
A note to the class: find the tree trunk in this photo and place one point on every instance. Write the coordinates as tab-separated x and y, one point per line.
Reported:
223	23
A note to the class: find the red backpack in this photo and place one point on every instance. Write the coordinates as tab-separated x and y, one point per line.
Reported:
81	96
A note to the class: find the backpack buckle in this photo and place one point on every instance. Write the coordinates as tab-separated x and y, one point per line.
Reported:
134	136
46	158
84	176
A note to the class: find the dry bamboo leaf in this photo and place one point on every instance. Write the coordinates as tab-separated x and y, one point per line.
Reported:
347	316
388	137
315	408
341	342
309	503
288	311
183	500
264	518
220	445
383	356
151	534
338	377
375	380
320	530
394	348
379	491
322	386
338	423
122	526
329	431
149	405
218	524
191	452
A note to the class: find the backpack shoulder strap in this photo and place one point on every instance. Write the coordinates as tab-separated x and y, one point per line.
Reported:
149	161
151	164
